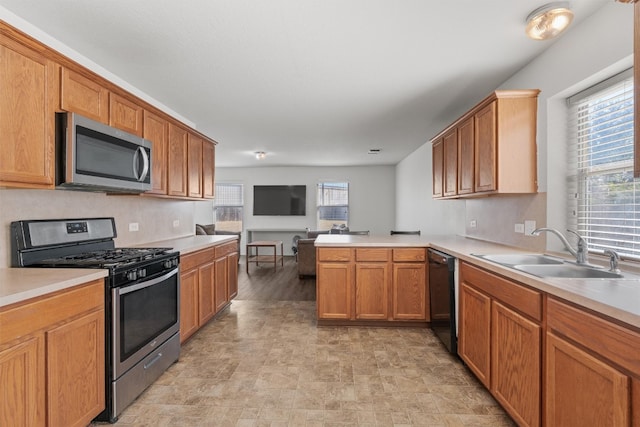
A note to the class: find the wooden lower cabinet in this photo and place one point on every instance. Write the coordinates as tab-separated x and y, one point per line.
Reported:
334	290
52	359
372	284
500	339
516	364
474	333
207	285
582	390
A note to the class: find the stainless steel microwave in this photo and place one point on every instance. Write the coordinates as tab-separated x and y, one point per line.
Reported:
95	157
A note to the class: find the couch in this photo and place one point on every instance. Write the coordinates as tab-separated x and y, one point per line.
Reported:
307	253
210	229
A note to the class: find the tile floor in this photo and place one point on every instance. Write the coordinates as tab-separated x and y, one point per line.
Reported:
266	363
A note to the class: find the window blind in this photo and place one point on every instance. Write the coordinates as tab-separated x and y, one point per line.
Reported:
333	203
604	198
229	195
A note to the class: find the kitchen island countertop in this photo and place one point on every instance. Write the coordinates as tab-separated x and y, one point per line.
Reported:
616	298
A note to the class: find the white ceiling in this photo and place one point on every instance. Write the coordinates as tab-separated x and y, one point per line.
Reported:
311	82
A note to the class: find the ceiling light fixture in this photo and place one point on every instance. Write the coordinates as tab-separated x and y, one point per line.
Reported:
548	21
260	155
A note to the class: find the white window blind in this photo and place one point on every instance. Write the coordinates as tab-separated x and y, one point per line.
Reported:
333	204
228	206
604	198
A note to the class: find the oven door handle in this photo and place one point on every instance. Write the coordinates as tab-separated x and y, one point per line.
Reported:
127	289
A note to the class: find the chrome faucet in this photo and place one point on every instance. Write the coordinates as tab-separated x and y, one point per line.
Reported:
580	253
613	260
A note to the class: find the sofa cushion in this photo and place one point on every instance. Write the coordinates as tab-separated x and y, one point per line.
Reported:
203	229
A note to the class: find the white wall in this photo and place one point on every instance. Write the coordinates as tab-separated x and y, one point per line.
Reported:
600	46
371	194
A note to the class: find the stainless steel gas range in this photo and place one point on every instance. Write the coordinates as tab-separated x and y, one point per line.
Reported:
142	297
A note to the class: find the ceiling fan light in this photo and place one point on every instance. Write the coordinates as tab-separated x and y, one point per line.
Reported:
549	20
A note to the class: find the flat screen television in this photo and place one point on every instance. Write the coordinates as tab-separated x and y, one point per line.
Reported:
279	200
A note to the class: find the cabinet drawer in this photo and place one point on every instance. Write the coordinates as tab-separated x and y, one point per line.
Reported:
39	313
226	249
409	255
614	342
525	300
195	259
334	254
377	254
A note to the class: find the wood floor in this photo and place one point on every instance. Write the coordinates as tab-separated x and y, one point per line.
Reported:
263	283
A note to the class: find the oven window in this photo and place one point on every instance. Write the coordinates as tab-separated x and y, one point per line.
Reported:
146	313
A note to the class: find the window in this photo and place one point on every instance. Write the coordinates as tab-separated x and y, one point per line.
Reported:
228	207
604	199
333	204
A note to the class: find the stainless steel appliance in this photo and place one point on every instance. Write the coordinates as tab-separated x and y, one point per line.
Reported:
96	157
442	298
141	295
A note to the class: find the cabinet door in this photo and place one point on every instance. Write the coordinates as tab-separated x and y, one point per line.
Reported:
437	167
409	291
232	269
194	156
156	131
474	332
208	169
177	161
334	290
221	283
125	114
76	371
372	291
84	96
485	148
581	390
516	364
450	147
466	168
206	292
22	384
27	119
188	304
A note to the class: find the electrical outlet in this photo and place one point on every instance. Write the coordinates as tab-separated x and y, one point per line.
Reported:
519	228
133	226
176	223
529	226
473	223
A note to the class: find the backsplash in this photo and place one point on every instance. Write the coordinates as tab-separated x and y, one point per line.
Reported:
155	217
496	216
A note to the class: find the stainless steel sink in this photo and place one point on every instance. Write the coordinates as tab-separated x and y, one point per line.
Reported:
520	259
567	271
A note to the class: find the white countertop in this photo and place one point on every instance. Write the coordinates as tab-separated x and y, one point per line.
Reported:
189	244
20	284
616	298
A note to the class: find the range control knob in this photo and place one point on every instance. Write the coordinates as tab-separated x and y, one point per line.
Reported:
142	272
132	275
167	264
175	262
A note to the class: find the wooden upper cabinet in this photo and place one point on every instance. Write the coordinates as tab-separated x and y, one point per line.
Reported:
208	169
84	96
27	120
438	167
125	114
485	148
156	130
177	161
450	174
194	154
466	157
496	148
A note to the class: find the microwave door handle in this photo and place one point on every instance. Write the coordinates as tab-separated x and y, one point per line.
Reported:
145	164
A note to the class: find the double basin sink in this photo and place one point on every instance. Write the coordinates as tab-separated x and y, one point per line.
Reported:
547	266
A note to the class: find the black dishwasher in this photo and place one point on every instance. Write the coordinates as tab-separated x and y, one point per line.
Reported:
442	298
